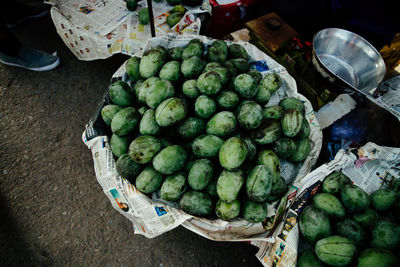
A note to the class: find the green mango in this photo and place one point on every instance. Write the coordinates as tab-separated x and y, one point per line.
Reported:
314	224
142	110
239	64
108	112
336	250
250	115
144	16
366	218
209	83
227	211
173	187
165	141
136	88
227	99
396	187
149	180
268	132
232	71
273	112
189	89
238	51
119	145
383	199
245	85
284	147
269	159
254	212
144	148
377	257
178	9
218	51
334	182
144	88
125	121
291	122
251	148
259	184
207	145
120	94
189	164
223	75
211	66
176	53
192	67
229	184
232	153
271	81
304	130
396	212
257	76
131	5
263	95
196	203
309	259
191	127
222	124
170	112
170	159
193	49
386	235
330	204
352	230
200	174
174	18
148	124
211	189
278	190
354	198
292	103
158	92
152	61
303	148
171	71
132	68
126	167
204	107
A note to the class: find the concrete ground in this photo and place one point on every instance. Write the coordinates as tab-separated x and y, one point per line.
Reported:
53	211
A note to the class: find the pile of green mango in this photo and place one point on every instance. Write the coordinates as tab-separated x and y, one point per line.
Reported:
175	14
191	123
347	227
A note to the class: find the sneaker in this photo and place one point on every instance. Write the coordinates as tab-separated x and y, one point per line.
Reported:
31	59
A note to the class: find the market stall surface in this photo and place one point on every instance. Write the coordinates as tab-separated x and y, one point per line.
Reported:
53	211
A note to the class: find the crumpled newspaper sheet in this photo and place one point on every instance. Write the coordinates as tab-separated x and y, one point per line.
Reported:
97	29
389	98
151	216
370	167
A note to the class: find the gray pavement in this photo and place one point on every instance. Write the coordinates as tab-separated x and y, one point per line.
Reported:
53	211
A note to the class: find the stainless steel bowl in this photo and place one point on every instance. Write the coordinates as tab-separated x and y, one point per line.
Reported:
350	58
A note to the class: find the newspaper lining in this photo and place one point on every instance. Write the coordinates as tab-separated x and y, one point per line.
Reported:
371	167
390	100
97	29
260	234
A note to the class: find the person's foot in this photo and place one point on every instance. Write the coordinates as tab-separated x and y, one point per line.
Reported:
31	59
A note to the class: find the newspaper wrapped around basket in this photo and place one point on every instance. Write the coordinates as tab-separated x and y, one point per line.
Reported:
150	215
370	167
